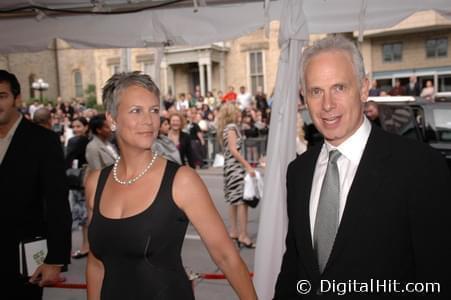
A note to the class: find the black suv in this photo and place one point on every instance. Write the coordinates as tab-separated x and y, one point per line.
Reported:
418	119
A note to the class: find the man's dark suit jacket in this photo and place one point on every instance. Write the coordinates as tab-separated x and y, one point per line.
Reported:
395	226
34	195
186	152
415	91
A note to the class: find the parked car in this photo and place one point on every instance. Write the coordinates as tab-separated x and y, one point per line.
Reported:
415	118
442	97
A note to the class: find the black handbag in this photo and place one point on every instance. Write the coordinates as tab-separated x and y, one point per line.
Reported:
252	202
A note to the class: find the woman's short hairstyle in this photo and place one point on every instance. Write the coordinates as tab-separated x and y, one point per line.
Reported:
333	43
96	123
119	82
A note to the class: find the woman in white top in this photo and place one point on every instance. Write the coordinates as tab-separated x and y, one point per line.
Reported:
428	92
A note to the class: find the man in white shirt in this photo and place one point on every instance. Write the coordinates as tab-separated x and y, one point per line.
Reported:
244	99
365	206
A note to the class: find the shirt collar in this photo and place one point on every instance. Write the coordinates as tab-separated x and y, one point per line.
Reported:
352	148
13	129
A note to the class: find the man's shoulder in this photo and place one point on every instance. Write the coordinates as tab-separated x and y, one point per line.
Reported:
93	143
33	130
308	157
403	147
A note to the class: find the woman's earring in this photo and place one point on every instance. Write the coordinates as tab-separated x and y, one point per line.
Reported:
113	127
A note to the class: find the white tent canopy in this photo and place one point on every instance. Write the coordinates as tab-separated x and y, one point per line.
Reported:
154	27
204	21
184	24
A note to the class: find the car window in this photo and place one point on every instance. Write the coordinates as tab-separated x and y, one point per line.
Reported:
399	120
442	122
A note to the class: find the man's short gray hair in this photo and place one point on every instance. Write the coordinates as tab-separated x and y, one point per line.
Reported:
119	82
333	43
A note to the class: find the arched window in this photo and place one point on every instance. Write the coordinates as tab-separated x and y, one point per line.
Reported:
31	79
78	84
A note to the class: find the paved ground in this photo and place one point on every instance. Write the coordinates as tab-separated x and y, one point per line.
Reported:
195	256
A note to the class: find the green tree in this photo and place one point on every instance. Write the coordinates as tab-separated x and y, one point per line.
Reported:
91	98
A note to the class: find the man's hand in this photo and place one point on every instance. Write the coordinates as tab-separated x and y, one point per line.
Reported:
46	275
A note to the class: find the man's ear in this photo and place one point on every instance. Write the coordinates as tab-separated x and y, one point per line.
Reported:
18	101
364	90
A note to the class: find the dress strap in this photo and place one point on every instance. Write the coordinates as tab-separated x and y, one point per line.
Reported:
169	174
100	185
166	187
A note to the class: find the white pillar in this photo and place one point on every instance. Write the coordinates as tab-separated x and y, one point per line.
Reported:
222	73
164	71
202	79
209	77
159	62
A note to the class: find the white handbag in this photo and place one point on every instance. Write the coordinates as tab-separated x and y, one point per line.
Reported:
219	161
253	189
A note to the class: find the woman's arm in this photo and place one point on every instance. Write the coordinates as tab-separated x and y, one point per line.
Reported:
231	139
192	196
94	267
200	136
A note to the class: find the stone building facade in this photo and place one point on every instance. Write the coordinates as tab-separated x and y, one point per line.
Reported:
417	46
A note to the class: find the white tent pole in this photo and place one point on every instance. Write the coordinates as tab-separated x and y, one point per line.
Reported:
281	150
362	17
126	59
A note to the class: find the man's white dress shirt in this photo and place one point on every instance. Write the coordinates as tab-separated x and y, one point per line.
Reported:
351	152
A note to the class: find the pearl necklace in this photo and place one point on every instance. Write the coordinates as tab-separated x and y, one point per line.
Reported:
134	179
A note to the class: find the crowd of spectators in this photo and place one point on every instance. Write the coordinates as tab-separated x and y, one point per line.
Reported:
197	113
412	88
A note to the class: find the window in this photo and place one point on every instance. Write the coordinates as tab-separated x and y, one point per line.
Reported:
437	47
78	84
392	52
384	84
31	79
444	83
256	71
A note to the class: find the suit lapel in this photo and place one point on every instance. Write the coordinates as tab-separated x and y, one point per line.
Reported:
13	155
366	182
304	236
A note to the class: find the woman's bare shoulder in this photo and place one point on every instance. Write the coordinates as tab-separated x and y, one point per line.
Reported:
187	186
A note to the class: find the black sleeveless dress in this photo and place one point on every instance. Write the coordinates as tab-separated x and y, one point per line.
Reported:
141	253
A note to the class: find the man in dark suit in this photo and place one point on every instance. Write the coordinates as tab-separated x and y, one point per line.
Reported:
413	87
34	195
368	211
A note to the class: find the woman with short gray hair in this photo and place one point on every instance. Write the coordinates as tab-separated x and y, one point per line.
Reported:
140	207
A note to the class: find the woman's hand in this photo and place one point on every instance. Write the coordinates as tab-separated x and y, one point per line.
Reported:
250	171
